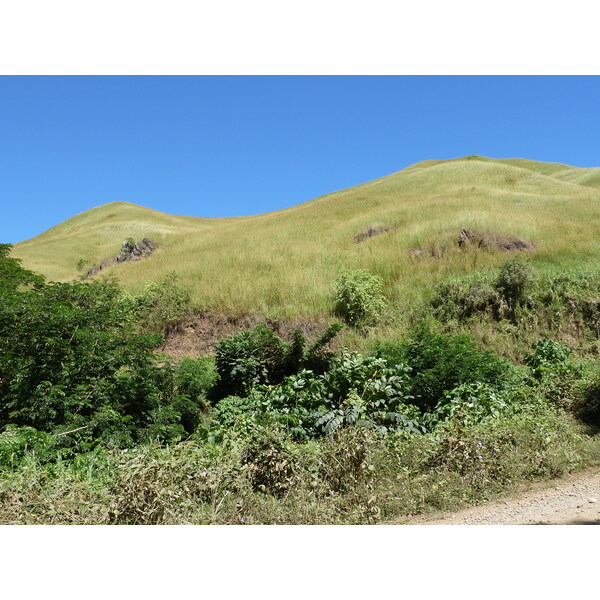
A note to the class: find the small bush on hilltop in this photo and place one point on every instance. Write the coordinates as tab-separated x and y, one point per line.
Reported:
359	299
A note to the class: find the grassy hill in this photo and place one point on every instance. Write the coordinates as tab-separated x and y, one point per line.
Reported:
284	263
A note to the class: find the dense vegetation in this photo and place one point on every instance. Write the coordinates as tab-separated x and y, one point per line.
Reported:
95	427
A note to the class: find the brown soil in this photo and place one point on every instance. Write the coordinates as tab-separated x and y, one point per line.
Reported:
199	335
571	500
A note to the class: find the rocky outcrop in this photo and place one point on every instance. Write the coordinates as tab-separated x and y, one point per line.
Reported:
135	251
372	230
487	240
130	251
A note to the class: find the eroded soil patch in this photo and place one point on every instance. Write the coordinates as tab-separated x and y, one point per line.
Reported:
199	335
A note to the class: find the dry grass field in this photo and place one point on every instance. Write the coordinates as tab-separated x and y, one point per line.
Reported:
284	264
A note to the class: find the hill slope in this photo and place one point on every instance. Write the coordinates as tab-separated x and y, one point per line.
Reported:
285	263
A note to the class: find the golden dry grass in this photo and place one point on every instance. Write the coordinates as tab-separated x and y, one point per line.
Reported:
285	263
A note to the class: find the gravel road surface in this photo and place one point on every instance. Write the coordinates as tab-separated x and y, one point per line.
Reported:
571	500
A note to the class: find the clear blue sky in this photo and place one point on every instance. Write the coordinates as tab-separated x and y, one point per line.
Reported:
223	146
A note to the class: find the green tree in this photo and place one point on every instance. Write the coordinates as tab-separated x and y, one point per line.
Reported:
70	359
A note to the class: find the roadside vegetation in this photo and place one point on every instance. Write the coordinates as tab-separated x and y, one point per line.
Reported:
97	427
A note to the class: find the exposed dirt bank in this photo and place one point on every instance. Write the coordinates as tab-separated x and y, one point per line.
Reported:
200	333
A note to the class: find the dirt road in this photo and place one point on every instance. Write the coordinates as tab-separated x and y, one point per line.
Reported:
571	500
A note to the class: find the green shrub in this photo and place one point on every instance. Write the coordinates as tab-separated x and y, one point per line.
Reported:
66	351
555	377
259	356
165	425
247	358
469	404
388	392
194	378
233	409
71	362
162	307
461	300
16	442
548	357
439	363
359	299
514	280
366	391
356	390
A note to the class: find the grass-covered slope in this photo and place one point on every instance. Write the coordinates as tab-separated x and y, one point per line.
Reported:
285	263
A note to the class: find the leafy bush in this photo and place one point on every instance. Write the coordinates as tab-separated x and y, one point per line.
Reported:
233	409
194	379
16	442
65	352
247	358
165	425
357	390
359	299
547	357
460	300
440	363
161	307
259	356
514	280
469	404
387	392
368	392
